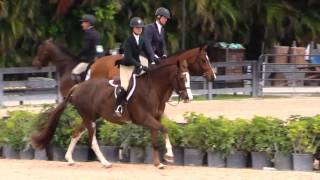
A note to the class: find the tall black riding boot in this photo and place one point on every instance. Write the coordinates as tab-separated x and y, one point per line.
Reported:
119	102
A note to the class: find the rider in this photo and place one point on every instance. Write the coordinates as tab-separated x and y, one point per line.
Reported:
91	46
154	36
134	46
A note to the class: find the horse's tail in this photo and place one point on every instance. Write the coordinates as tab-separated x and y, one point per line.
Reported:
41	139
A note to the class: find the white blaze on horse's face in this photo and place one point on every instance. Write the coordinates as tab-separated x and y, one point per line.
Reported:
187	85
212	68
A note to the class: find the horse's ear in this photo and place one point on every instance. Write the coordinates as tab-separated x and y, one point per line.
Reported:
203	46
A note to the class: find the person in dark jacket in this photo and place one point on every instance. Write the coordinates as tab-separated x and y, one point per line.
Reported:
92	47
154	36
133	61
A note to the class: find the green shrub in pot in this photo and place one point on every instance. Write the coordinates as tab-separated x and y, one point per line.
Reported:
260	134
239	131
17	129
175	131
218	135
304	134
109	134
194	135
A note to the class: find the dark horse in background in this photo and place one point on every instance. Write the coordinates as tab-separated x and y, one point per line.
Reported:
95	98
195	60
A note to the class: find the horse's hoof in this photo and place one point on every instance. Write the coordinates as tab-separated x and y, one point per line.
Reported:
169	159
161	166
108	165
71	163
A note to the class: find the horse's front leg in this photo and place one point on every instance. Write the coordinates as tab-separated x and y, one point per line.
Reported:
155	149
169	157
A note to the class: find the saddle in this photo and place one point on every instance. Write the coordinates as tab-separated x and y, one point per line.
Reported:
116	83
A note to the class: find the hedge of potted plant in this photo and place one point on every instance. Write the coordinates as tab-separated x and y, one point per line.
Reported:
218	141
194	139
304	133
175	132
260	141
16	135
134	139
110	140
262	135
281	146
238	155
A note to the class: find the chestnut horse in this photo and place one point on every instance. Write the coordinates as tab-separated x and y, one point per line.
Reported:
95	98
196	61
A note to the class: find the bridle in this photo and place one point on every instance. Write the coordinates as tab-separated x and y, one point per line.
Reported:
179	90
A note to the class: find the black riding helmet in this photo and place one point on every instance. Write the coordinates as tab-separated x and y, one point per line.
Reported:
88	18
161	11
136	22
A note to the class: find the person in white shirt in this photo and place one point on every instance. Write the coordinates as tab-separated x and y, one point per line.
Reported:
133	61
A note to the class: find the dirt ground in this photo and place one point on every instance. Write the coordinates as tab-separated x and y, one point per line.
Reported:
34	169
240	108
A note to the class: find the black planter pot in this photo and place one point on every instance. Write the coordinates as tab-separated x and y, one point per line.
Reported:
283	161
27	153
148	158
215	159
124	155
237	159
193	157
302	162
1	148
260	160
40	154
10	153
58	153
178	153
136	155
81	153
111	153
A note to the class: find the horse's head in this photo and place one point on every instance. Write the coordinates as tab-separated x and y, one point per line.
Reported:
204	64
199	63
42	57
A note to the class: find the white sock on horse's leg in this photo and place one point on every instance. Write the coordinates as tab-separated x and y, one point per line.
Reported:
96	149
168	145
71	147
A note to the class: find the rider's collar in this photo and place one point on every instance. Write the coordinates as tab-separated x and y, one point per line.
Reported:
90	27
159	26
136	37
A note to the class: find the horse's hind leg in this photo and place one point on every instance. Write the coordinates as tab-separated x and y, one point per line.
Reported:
75	138
91	126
